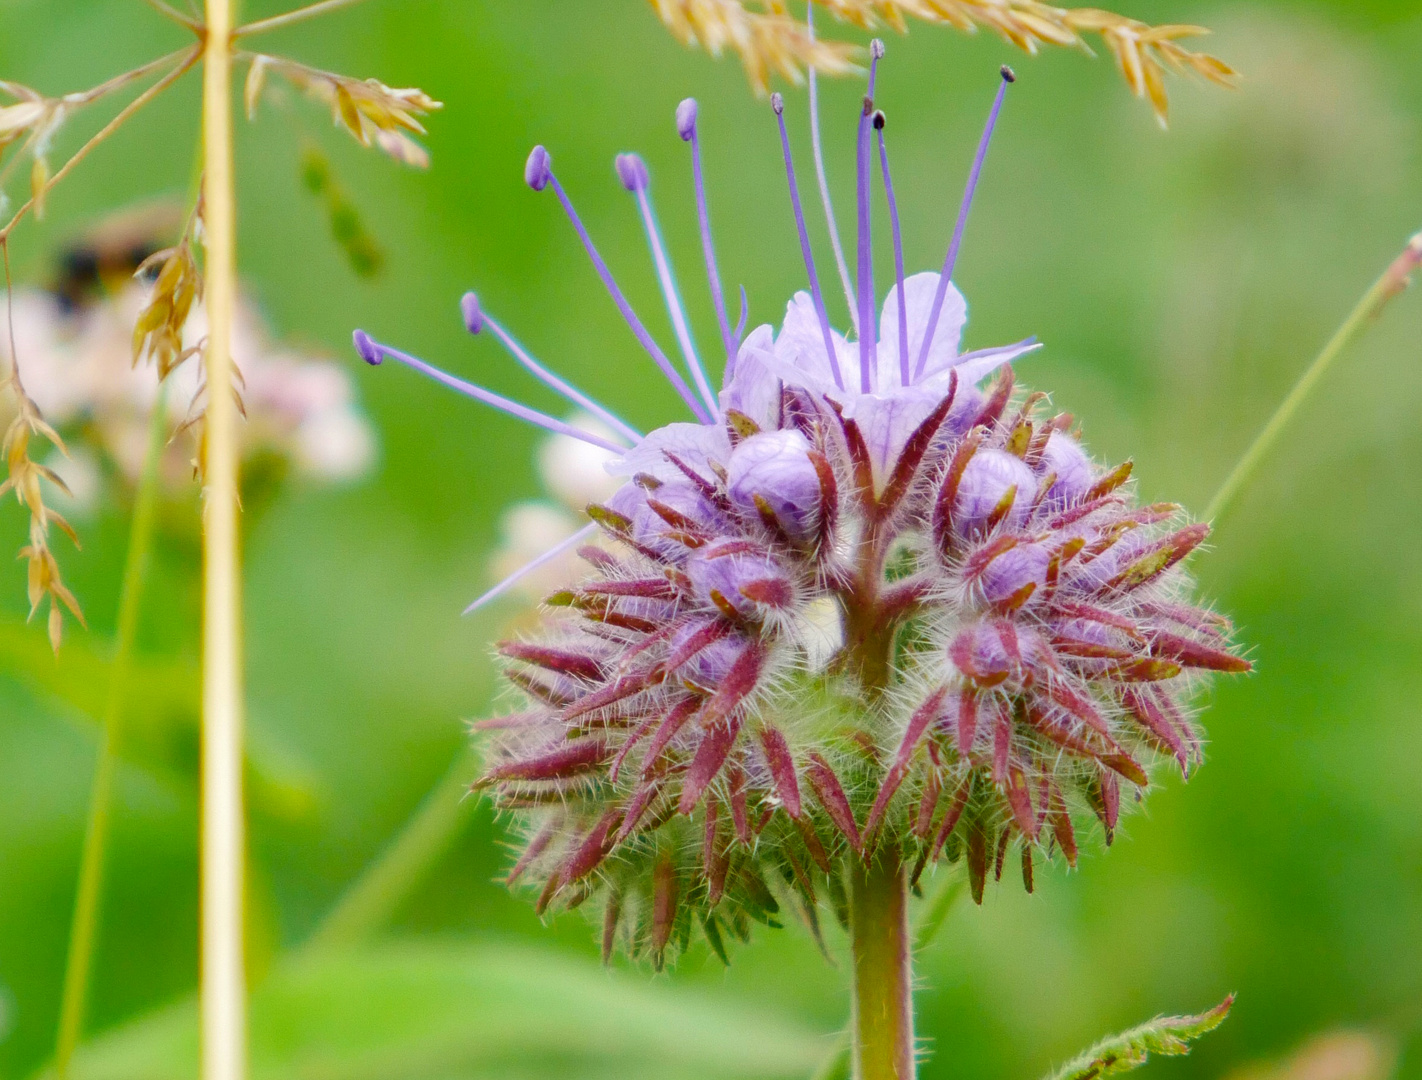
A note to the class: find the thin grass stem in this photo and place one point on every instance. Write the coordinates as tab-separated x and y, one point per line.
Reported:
177	16
223	981
276	22
118	82
190	56
84	929
1393	280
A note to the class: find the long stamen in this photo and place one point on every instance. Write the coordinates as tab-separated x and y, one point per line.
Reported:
528	568
373	352
879	122
476	318
686	128
778	104
868	332
838	249
539	174
1007	78
632	171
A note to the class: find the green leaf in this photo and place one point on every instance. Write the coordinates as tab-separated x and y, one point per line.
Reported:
453	1009
1169	1035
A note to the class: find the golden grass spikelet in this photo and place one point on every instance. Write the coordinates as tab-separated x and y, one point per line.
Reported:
771	40
373	113
766	41
158	331
24	480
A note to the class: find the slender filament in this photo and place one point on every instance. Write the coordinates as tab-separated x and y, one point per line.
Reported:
825	200
513	408
778	105
673	298
572	393
904	378
638	330
713	274
956	242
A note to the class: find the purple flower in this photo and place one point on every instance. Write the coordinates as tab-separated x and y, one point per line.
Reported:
1010	636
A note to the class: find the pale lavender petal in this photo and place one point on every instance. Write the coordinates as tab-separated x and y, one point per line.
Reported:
693	444
754	389
919	293
888	420
973	367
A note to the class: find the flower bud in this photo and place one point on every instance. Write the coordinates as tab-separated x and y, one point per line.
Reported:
725	576
981	653
682	503
707	668
988	481
1006	579
1064	458
775	466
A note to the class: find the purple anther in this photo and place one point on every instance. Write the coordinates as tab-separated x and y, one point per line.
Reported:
368	349
473	317
538	169
1007	78
777	103
686	119
632	171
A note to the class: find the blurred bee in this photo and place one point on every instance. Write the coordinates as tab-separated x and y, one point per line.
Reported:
102	260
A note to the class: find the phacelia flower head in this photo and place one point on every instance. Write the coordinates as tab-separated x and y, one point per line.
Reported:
1011	644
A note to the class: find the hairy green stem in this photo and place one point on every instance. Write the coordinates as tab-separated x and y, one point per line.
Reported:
1393	280
83	930
882	1020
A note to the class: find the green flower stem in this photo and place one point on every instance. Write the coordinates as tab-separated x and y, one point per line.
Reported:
1393	280
372	899
930	920
882	1018
84	928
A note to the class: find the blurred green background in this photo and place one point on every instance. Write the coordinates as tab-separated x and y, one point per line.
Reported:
1180	280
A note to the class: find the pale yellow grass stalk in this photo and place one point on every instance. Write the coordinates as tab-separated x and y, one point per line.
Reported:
224	1052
